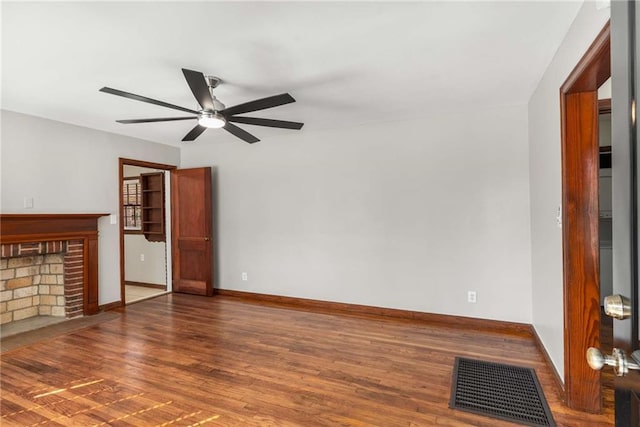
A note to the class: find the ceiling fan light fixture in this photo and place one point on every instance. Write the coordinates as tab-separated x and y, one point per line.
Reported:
211	120
213	113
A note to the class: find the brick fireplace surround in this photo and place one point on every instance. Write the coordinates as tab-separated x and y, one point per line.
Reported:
49	264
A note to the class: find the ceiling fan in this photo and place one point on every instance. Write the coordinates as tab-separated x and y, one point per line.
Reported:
213	113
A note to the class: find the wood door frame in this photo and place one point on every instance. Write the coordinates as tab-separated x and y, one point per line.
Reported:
131	162
580	219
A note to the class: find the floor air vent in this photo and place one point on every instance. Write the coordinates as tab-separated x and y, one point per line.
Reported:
507	392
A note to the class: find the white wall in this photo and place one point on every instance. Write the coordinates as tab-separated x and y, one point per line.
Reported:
130	170
408	215
69	169
546	184
154	267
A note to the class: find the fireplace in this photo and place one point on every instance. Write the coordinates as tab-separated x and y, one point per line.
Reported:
48	265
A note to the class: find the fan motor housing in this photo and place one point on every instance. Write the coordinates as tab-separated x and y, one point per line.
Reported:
213	81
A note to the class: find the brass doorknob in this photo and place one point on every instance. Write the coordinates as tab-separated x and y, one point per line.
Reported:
597	360
617	306
618	360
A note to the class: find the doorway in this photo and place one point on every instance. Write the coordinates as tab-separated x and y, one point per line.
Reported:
145	234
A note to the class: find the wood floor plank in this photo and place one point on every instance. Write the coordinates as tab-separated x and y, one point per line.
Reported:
187	360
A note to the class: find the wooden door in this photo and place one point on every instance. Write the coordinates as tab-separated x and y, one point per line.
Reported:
192	250
625	54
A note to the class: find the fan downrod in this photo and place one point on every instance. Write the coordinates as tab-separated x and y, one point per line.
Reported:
212	83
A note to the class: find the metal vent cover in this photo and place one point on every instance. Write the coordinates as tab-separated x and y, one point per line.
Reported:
506	392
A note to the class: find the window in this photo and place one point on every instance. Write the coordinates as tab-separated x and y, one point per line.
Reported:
132	199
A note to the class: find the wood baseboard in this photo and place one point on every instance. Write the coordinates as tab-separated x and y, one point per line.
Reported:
110	306
145	285
558	380
512	328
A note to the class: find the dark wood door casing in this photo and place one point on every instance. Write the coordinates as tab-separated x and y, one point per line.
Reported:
191	225
580	219
581	249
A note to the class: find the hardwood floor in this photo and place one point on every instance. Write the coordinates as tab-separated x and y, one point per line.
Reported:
187	360
134	293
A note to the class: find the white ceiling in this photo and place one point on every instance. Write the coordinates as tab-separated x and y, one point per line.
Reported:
346	63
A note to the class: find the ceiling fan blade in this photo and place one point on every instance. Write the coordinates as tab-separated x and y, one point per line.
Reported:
194	133
259	104
240	133
266	122
145	99
199	87
164	119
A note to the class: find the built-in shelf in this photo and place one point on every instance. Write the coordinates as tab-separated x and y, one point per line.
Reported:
153	218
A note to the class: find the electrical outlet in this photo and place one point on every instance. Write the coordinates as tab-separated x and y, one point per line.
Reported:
28	202
471	297
244	276
141	257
